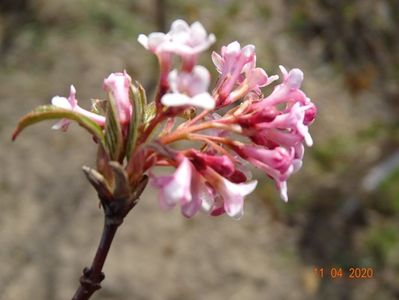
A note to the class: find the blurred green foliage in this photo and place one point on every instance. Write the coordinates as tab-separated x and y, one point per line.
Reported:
381	241
389	193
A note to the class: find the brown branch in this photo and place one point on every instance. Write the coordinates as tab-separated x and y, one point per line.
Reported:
90	281
116	207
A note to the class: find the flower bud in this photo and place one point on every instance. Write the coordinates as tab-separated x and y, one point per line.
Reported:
118	84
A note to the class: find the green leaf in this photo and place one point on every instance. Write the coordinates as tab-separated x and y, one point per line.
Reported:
143	96
113	131
138	100
50	112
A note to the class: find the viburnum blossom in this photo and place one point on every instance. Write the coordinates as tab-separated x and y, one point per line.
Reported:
238	73
189	41
71	103
230	128
189	89
212	174
175	188
183	40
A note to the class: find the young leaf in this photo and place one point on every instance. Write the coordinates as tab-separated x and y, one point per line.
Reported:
113	131
50	112
138	100
143	96
149	112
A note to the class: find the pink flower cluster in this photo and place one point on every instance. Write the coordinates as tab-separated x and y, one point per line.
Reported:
276	126
268	132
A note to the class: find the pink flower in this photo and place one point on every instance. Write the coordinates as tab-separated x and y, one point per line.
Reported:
288	91
278	163
228	196
156	42
274	137
278	125
287	126
189	89
194	189
230	65
175	188
201	194
254	78
118	84
233	196
189	41
233	59
278	159
239	74
192	39
71	103
293	118
299	151
182	39
186	186
161	45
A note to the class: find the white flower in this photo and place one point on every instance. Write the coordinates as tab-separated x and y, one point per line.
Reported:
189	89
71	103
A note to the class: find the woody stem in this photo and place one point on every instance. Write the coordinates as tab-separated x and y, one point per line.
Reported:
90	281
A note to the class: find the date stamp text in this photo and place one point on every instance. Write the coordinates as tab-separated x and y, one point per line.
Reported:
351	273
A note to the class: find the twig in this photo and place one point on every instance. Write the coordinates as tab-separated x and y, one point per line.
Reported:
91	279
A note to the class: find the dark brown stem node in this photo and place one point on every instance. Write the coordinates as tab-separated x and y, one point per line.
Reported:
116	205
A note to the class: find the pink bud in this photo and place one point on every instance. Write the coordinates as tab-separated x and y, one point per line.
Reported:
277	163
273	137
278	158
220	163
118	84
293	119
310	114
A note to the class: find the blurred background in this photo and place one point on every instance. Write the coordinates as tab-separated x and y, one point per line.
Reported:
344	204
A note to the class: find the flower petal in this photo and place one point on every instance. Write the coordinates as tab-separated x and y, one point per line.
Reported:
175	188
203	100
217	61
61	102
175	99
233	195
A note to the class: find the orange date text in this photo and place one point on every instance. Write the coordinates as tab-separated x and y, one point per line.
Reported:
344	273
